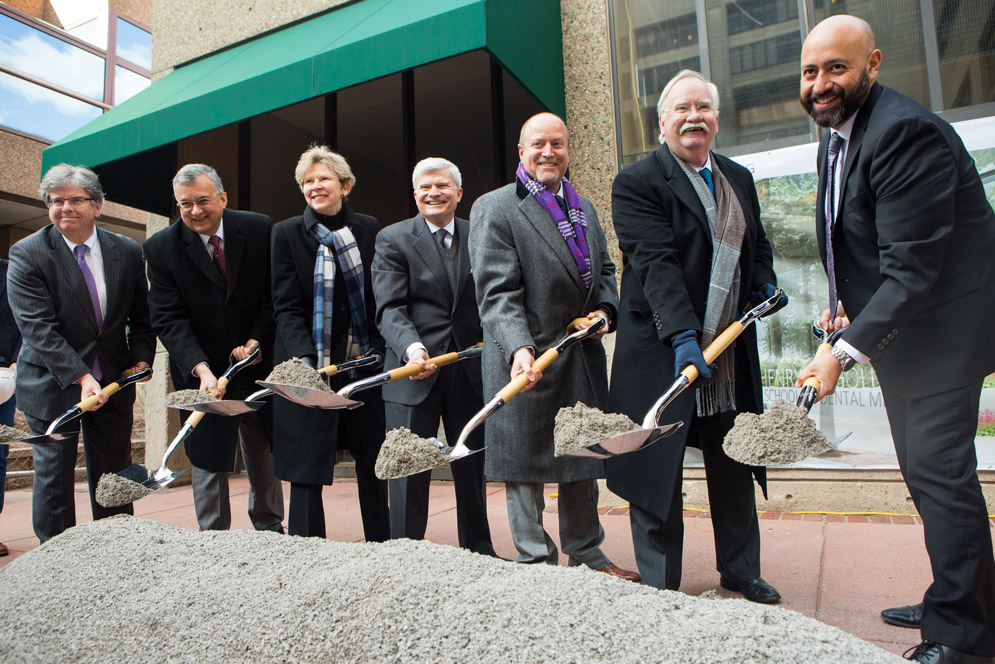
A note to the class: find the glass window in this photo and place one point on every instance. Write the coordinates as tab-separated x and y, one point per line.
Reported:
653	41
45	113
134	44
43	56
965	36
127	83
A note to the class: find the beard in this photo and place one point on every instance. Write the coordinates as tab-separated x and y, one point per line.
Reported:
850	102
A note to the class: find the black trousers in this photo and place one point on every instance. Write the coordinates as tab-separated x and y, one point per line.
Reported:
107	445
454	400
935	443
659	543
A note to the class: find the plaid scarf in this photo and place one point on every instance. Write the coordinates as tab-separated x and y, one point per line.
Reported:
348	258
728	226
574	229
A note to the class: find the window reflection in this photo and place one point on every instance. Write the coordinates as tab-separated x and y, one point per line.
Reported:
965	35
134	44
127	84
41	55
35	110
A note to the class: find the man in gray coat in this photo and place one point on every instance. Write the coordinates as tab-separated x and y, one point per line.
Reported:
540	259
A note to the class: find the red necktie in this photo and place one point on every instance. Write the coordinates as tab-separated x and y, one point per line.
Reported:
219	256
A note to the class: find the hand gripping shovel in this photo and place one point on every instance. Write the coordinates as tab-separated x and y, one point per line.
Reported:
162	476
312	398
810	388
86	404
253	401
517	384
407	371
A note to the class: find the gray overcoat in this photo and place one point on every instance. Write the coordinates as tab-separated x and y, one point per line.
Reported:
528	291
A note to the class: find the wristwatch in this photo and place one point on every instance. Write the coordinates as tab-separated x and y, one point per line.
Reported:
846	362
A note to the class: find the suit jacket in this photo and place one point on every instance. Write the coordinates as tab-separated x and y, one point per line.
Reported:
201	316
913	244
305	439
415	303
10	336
52	308
528	291
667	257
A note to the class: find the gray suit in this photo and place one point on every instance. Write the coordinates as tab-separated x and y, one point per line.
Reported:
528	291
52	308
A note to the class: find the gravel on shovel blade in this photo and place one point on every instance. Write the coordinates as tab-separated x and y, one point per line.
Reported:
114	490
188	398
405	453
129	589
784	434
581	426
295	372
9	434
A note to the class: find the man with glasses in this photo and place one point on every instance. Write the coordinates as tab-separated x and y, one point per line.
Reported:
209	297
79	299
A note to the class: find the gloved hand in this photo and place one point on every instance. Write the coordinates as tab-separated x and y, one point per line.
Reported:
765	292
687	351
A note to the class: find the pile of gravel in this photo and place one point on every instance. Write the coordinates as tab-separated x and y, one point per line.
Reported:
405	453
125	589
114	490
784	434
295	372
10	434
582	426
188	398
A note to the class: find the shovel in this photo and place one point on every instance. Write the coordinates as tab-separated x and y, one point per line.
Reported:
154	481
306	396
810	388
252	402
86	404
517	384
407	371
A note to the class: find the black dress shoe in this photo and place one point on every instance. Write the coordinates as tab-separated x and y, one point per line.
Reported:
930	652
903	616
755	590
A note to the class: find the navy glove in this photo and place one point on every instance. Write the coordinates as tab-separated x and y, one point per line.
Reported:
765	292
687	351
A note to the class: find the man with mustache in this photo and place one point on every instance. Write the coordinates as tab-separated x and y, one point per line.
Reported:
695	256
909	251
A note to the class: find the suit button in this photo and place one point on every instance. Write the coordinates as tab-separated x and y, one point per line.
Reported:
894	331
880	346
884	341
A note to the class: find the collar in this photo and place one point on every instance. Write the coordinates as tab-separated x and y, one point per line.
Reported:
846	129
708	164
90	242
451	227
206	239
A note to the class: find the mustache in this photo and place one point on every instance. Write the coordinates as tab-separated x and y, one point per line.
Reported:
688	126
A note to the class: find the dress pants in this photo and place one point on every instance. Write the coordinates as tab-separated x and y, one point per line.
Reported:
210	489
6	417
581	534
107	445
658	544
454	400
935	443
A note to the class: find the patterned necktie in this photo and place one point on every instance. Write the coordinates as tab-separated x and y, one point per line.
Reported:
706	175
219	256
91	287
449	258
832	155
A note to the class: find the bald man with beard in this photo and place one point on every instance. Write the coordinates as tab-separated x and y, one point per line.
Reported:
911	238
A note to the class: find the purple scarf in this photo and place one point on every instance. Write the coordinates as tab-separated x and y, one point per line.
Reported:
574	229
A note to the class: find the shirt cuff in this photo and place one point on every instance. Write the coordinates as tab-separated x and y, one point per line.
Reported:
406	357
859	357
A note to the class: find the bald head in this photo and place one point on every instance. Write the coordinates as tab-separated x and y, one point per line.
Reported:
839	64
544	148
540	119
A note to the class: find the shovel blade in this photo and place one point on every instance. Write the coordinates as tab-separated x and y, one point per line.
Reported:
633	441
228	408
70	438
305	396
162	481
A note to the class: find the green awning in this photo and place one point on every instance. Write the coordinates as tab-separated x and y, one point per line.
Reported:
358	42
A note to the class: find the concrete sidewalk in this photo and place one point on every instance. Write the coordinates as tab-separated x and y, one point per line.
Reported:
839	569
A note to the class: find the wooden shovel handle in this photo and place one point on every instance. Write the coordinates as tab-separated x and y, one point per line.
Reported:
716	348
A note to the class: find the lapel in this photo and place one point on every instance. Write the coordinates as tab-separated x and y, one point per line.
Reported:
234	248
544	225
681	187
463	237
113	271
198	255
853	148
820	197
425	246
71	274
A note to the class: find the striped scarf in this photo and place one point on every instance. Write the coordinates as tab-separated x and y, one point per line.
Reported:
348	258
574	228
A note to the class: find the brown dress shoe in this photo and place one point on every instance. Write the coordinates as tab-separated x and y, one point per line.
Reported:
3	550
615	570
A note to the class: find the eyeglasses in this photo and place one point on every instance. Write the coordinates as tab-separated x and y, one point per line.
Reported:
202	203
75	201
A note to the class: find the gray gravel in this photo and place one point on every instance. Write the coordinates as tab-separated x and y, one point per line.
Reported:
405	453
582	426
784	434
127	589
295	372
114	490
188	398
10	434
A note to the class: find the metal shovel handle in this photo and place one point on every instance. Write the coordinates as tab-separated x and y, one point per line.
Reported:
810	388
92	400
406	371
370	358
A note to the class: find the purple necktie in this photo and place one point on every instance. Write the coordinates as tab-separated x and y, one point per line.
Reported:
91	287
835	144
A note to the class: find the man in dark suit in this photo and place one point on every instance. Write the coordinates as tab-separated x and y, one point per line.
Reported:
78	295
426	306
695	255
912	238
209	300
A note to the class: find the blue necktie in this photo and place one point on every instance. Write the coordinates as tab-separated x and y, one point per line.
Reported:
832	155
706	175
91	287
